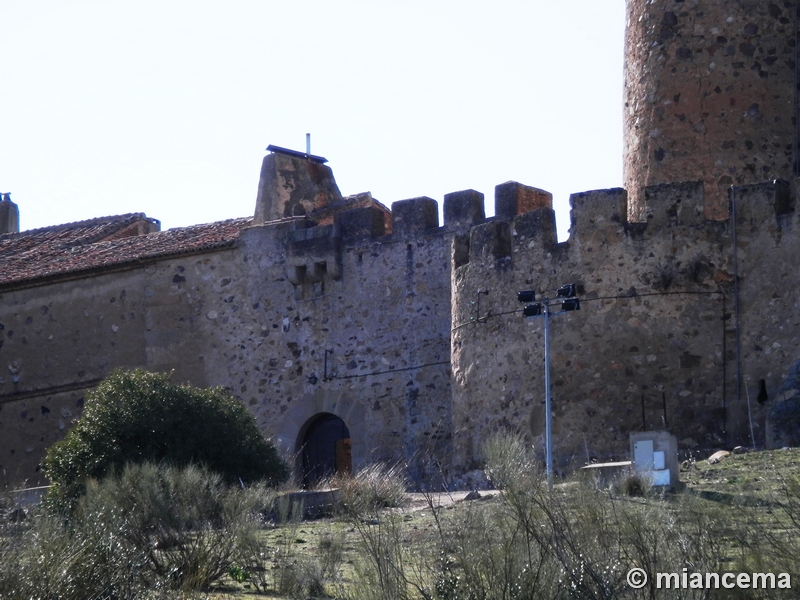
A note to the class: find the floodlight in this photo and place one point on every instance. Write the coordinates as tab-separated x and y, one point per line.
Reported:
571	304
532	310
526	296
566	291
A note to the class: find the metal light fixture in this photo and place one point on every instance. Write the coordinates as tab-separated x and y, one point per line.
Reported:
532	310
566	296
570	304
566	291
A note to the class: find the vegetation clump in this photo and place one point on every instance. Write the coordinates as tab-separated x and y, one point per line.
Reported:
147	532
137	417
375	487
154	531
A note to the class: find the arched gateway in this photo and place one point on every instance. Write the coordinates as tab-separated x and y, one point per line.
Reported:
324	448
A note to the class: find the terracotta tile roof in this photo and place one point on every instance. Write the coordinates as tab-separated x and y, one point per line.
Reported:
102	243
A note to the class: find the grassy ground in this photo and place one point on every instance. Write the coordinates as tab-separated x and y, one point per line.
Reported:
754	480
750	476
741	514
298	548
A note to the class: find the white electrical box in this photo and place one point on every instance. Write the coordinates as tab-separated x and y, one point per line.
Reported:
655	455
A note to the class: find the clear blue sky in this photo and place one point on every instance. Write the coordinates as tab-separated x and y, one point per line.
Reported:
166	107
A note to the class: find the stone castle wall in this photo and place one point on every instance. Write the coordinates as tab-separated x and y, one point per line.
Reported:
654	345
415	338
261	319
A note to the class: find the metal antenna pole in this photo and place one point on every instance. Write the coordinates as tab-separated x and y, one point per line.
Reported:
547	416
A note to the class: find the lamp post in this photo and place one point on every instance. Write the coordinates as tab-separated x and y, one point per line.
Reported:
566	297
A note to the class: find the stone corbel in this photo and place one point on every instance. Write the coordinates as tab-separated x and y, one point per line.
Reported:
295	274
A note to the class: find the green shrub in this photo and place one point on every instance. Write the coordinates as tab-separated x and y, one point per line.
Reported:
138	416
83	559
574	542
510	462
381	570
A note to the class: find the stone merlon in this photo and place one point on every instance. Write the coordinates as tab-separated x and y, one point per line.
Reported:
463	209
512	199
414	216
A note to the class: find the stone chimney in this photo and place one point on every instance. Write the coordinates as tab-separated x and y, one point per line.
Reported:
9	215
293	184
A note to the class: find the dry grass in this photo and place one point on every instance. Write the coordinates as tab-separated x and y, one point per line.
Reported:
374	487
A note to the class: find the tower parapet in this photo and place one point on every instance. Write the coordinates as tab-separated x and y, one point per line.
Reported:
512	198
598	214
671	204
414	216
360	223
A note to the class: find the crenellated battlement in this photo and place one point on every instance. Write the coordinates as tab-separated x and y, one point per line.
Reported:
598	218
463	209
419	217
675	230
678	311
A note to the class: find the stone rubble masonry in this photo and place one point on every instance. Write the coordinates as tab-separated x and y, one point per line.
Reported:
411	332
512	198
426	351
414	216
653	345
232	316
709	96
463	209
294	318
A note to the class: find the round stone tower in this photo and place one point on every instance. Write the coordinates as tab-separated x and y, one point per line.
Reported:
709	95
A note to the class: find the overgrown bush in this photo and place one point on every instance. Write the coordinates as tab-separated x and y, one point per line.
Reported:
771	543
372	488
573	542
385	564
136	416
155	532
151	531
189	525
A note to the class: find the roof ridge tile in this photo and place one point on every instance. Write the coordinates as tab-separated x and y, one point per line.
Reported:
126	218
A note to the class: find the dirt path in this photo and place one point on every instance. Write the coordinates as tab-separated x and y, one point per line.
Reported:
418	501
